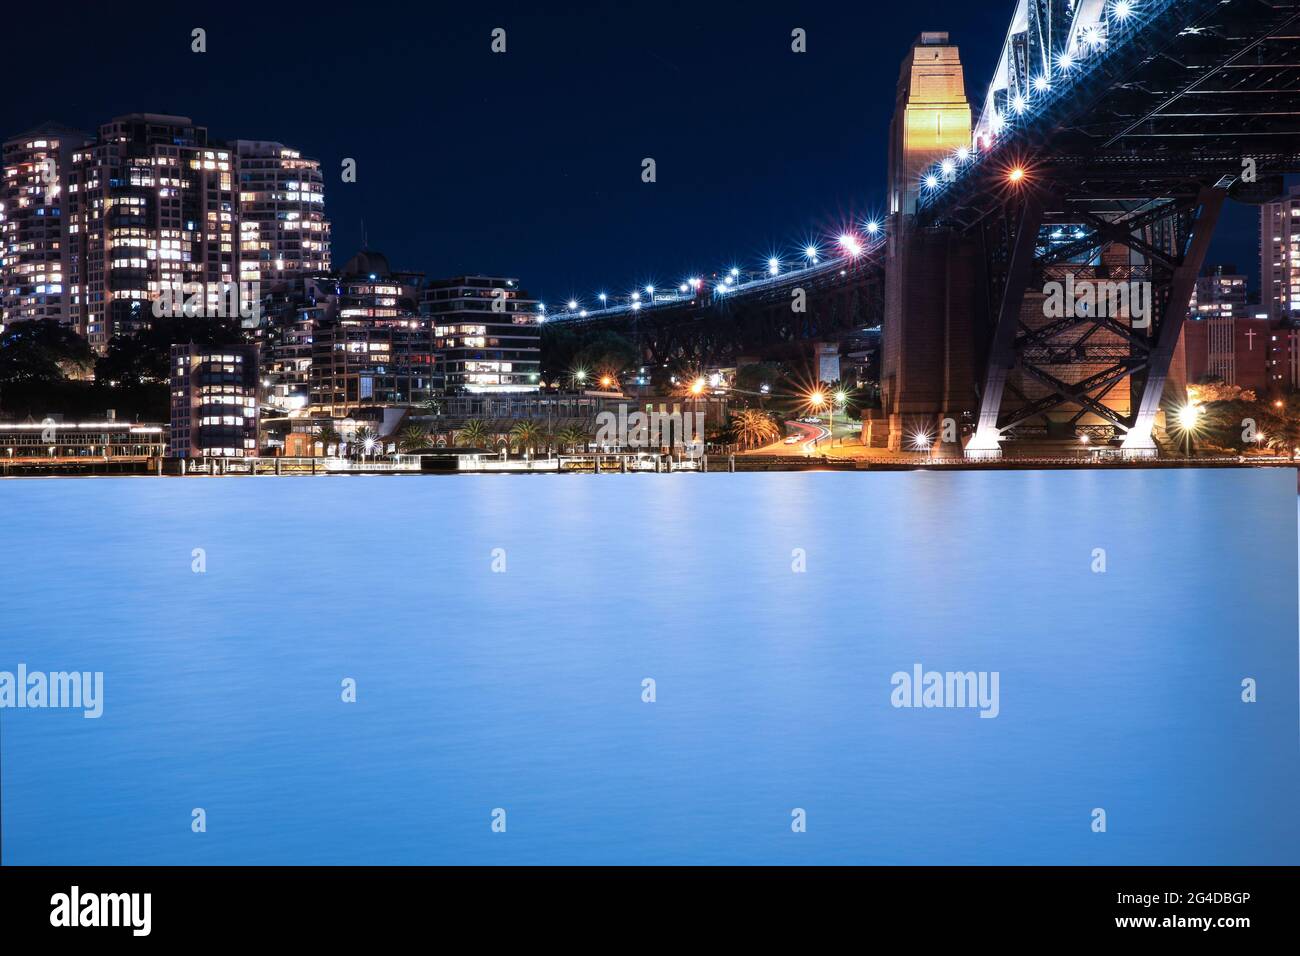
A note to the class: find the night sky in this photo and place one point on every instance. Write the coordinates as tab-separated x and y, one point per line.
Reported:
528	163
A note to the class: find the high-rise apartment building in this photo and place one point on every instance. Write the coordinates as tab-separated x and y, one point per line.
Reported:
1279	256
214	401
283	232
94	230
152	212
487	331
33	207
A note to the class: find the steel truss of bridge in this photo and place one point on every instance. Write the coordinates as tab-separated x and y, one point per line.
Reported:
1124	178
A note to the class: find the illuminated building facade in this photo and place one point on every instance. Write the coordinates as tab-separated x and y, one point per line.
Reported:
361	363
1235	349
152	210
214	401
283	232
370	347
1284	358
51	441
290	313
368	287
93	230
1220	293
33	206
487	331
1279	256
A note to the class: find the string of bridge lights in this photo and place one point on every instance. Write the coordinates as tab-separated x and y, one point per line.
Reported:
851	246
1091	40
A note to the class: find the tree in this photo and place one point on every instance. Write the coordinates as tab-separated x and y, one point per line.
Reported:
42	350
565	349
328	437
573	436
1214	389
753	428
473	434
606	353
751	378
525	435
412	438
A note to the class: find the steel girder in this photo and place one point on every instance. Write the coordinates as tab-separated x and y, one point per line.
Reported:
1167	239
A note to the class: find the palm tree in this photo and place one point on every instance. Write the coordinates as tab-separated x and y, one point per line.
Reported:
571	436
327	437
753	428
525	435
412	438
473	434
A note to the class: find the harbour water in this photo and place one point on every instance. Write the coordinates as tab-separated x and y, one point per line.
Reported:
500	630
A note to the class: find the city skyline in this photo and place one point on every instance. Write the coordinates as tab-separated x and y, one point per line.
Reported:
699	435
555	196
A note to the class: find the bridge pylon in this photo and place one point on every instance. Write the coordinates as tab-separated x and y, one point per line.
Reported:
930	281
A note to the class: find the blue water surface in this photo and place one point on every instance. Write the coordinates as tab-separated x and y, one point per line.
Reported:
522	689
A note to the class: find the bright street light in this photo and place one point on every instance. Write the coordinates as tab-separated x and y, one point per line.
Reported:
1188	421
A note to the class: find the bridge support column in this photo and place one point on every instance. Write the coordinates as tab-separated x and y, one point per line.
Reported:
985	442
1138	442
927	372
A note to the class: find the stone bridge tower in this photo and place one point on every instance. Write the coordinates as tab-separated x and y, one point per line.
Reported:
931	282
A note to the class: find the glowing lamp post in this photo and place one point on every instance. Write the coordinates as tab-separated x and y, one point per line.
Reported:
1188	418
818	401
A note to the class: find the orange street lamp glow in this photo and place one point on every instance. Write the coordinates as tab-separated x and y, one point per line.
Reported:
606	381
697	386
1016	174
817	399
